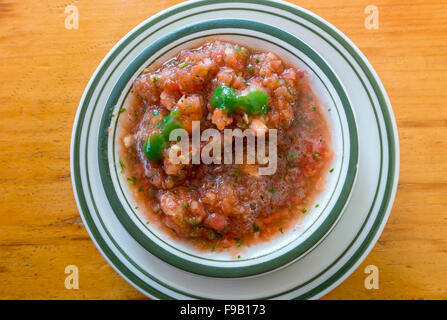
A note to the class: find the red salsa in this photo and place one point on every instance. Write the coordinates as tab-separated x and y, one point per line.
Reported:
224	86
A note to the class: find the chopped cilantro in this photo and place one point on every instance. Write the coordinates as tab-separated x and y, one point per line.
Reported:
191	222
236	173
154	79
121	165
255	227
293	155
132	180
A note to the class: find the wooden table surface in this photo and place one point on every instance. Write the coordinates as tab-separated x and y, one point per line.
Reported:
45	67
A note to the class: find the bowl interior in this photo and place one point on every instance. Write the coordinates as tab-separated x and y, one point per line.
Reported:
315	223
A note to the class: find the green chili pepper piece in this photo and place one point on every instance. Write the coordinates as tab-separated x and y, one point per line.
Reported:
170	123
223	98
153	147
254	102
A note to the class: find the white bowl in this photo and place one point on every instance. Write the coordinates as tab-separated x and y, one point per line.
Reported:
317	222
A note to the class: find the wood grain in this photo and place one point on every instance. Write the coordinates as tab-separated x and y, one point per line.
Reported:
44	69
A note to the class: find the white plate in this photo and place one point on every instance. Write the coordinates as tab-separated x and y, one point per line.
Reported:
333	259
